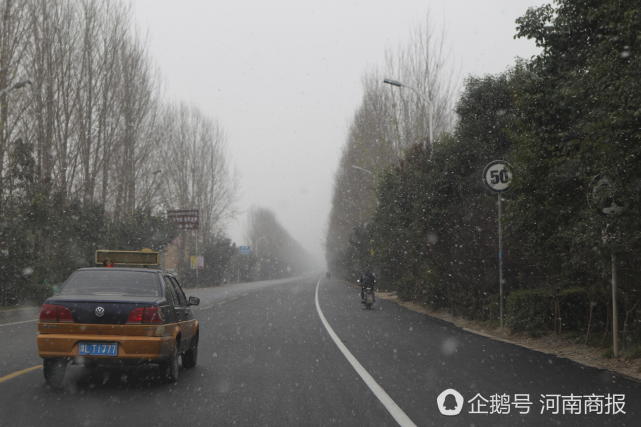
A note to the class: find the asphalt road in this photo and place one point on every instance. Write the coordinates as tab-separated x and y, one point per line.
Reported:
267	358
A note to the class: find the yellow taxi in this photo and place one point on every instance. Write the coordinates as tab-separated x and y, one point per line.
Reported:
122	313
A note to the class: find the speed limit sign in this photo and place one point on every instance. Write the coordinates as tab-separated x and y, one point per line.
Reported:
497	175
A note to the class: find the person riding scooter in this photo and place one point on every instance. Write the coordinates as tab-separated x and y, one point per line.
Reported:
367	280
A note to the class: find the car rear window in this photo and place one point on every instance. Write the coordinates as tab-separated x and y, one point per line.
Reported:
112	282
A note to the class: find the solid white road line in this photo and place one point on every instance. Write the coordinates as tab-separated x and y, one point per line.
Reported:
395	411
18	323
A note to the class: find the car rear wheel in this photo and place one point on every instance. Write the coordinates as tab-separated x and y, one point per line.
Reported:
170	368
54	371
190	358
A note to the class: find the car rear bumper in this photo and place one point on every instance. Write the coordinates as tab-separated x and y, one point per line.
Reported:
53	345
133	342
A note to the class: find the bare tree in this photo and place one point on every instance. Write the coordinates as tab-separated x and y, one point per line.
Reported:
275	252
136	98
387	122
14	28
195	173
113	36
423	67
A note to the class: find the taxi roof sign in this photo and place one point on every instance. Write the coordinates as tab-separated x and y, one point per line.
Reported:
145	257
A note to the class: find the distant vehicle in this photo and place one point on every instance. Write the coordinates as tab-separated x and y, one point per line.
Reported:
118	316
328	275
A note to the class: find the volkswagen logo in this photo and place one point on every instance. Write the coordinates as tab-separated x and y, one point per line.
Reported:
100	311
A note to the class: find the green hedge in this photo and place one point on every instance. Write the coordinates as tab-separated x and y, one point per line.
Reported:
574	307
530	310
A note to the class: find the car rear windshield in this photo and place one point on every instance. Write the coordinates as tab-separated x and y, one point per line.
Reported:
112	282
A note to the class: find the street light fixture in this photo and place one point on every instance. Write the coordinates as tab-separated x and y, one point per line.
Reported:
363	169
393	82
427	100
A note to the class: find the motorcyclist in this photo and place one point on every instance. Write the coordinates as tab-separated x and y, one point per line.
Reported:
367	280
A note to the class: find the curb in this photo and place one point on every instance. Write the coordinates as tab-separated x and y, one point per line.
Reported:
17	313
506	341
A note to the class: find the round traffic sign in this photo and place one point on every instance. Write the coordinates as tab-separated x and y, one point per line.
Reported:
603	196
497	175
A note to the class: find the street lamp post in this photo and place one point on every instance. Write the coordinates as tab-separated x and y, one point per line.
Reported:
427	100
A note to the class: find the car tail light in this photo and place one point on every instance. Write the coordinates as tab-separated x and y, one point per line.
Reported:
145	315
55	313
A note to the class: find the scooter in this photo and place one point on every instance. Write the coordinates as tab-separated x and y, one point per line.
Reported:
368	297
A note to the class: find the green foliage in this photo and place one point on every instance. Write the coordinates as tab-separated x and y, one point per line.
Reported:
563	119
579	118
368	152
140	230
219	252
434	230
533	310
45	237
529	310
633	352
574	307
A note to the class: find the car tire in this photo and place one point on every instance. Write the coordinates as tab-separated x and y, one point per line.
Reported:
170	368
190	358
54	372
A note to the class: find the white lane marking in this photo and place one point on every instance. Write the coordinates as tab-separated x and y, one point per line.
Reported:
395	411
18	323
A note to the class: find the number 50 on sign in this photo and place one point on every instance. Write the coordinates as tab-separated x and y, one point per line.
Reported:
497	175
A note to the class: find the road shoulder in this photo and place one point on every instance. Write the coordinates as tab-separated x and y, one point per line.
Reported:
549	344
18	314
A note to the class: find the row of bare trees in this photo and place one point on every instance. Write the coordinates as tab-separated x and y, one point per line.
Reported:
387	122
94	116
92	127
275	253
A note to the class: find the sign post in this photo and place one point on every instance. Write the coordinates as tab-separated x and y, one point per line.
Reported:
603	197
497	176
187	219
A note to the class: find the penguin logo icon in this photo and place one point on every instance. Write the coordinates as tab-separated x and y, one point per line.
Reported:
450	402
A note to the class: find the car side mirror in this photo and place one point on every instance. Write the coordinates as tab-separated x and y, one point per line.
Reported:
194	301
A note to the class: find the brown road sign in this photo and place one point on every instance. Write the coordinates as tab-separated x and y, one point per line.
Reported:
186	219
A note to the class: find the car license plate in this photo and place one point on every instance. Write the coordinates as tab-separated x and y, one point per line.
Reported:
98	349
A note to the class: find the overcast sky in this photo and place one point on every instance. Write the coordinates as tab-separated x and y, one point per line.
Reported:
283	78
